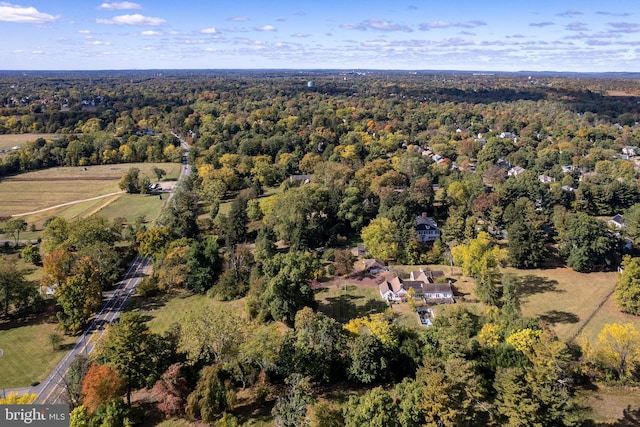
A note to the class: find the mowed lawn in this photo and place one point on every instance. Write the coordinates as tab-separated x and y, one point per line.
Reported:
28	357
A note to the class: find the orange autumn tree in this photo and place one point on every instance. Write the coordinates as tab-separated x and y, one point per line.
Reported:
101	384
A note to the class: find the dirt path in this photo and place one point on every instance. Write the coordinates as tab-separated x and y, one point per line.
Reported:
67	204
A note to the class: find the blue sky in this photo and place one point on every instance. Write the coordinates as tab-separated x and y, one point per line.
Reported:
478	35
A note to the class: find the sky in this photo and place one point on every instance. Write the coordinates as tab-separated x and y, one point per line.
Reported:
470	35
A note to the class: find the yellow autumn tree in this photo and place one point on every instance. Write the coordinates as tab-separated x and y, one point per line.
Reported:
14	398
380	325
618	349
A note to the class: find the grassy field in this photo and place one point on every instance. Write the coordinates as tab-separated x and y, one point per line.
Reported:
349	301
27	354
131	206
162	312
563	298
48	188
9	141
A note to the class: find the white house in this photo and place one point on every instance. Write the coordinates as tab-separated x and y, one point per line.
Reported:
427	229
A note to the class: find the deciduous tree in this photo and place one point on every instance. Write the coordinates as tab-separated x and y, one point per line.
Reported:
627	293
132	349
100	385
380	238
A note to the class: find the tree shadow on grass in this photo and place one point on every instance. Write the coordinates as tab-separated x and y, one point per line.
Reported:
531	285
343	308
630	418
554	317
138	302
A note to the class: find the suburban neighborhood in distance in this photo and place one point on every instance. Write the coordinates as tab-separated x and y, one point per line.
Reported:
321	248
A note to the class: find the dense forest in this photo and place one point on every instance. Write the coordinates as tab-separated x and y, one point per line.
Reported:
518	170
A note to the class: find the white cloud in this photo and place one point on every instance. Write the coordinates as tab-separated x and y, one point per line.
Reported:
376	25
98	43
238	18
266	28
123	5
211	30
84	31
24	14
151	33
135	19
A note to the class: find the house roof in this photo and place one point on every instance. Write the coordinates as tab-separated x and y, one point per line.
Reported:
370	263
437	287
423	276
396	284
416	285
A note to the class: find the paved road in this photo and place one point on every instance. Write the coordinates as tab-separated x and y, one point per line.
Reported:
52	390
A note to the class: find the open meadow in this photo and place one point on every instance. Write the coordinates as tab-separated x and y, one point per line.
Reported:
7	142
73	192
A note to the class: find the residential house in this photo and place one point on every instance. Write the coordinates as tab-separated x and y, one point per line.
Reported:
396	290
515	171
617	222
546	179
427	229
392	290
438	293
304	178
374	266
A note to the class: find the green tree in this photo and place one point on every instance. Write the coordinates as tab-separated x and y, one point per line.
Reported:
14	226
55	233
73	379
303	216
132	349
236	224
290	410
130	182
181	214
375	408
351	209
210	335
369	360
587	243
212	396
380	238
316	347
288	289
204	263
627	293
15	290
526	243
79	296
451	392
159	173
107	262
31	253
